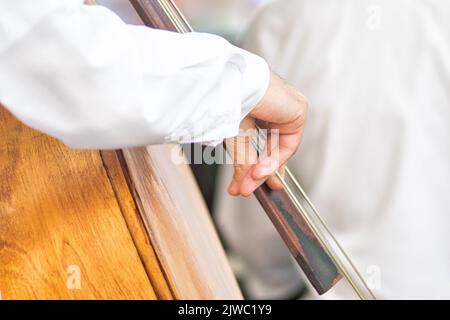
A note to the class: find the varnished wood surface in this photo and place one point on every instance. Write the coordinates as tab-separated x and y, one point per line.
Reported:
302	243
58	208
94	210
173	211
143	236
179	225
114	162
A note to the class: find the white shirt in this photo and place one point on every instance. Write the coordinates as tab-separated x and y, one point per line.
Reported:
81	74
375	158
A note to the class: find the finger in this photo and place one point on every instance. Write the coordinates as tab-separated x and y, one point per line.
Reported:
269	161
289	145
250	184
265	168
243	154
279	156
274	182
243	160
233	188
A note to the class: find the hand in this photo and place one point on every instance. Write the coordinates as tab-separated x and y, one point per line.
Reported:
282	109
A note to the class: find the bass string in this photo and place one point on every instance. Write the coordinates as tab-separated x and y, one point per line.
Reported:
319	234
182	26
333	238
175	16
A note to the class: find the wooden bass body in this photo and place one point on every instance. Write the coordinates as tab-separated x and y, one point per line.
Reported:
103	224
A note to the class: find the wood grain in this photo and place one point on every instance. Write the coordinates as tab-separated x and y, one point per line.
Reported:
173	211
114	163
57	208
179	225
133	222
315	262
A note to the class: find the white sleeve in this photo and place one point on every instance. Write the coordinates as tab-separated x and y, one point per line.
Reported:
81	74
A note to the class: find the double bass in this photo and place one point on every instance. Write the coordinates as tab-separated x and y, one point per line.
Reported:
129	224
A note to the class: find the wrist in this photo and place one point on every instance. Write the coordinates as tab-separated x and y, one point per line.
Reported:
256	79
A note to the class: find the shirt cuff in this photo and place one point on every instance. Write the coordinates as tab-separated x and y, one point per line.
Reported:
255	81
255	78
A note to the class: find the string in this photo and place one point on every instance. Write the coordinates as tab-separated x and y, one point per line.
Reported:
181	25
319	234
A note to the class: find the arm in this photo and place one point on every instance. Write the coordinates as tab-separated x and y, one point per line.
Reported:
80	74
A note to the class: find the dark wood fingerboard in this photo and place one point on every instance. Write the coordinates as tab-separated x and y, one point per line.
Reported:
315	262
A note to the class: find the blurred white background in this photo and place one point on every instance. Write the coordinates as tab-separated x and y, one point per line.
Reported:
227	18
